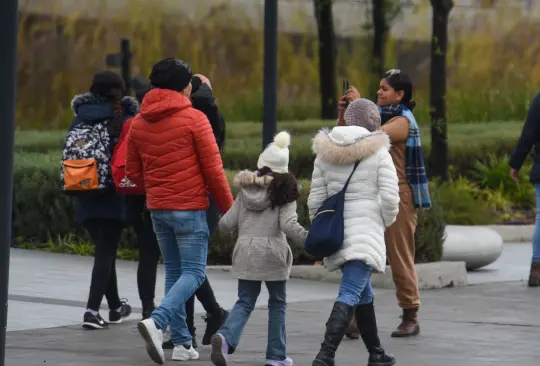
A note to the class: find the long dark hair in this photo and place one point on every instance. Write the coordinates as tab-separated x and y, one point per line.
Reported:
283	189
400	81
116	123
111	86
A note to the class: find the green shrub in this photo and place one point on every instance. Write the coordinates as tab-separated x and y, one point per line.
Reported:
494	174
464	203
44	217
430	231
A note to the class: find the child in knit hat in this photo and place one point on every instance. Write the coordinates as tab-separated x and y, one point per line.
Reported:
357	151
264	214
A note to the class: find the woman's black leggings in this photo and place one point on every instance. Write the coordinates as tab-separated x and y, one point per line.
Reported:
106	237
148	259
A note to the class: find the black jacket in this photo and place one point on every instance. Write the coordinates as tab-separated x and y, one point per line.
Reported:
530	136
203	100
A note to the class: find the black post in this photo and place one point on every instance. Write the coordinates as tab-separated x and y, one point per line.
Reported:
125	51
270	71
9	12
438	158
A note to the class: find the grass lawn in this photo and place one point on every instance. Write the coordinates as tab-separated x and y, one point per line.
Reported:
247	136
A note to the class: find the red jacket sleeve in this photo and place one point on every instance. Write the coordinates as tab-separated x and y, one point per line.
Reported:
134	168
211	164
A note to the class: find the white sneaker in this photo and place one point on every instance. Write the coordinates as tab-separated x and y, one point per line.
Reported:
180	353
154	340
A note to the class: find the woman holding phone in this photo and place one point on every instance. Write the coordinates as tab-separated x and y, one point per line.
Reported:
395	101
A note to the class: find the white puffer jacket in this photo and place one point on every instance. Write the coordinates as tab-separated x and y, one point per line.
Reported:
372	198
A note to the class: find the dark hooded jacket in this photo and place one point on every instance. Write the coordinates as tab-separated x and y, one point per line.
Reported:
529	139
203	100
92	109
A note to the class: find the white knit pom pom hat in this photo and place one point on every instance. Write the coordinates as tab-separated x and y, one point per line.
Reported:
276	154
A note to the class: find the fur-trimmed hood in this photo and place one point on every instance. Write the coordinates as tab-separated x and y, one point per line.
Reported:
345	145
254	189
91	107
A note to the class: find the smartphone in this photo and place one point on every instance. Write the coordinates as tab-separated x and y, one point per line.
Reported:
345	86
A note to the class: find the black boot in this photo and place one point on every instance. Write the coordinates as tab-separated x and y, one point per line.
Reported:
336	326
367	325
213	323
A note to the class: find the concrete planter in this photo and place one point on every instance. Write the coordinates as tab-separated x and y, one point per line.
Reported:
477	246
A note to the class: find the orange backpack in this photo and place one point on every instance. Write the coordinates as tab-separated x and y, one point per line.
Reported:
86	159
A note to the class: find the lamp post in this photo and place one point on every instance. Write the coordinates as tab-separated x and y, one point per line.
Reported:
123	60
270	71
9	13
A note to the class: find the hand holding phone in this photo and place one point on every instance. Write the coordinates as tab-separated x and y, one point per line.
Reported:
343	102
345	86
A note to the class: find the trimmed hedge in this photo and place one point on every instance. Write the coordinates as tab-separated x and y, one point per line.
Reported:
469	144
43	213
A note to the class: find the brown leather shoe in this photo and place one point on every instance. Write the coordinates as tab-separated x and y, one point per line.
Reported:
534	277
352	330
409	326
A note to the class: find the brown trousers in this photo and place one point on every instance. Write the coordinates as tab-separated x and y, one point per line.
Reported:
400	248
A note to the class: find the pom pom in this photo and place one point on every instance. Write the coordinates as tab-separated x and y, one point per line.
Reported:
282	140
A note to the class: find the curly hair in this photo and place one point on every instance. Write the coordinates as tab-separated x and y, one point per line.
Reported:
283	189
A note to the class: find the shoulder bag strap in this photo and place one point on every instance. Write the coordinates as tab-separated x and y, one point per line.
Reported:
350	176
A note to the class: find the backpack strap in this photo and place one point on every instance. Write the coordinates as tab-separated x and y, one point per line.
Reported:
350	176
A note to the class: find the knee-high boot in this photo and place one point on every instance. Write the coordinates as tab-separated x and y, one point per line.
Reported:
367	325
335	330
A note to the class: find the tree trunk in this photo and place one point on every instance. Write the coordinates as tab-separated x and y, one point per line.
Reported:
380	31
327	58
438	159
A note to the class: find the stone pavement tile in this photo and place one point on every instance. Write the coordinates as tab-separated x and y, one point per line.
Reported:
513	265
67	277
25	315
487	325
63	280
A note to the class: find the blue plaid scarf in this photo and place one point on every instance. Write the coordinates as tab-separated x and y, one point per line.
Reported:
415	169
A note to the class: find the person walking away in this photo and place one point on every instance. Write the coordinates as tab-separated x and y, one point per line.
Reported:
203	100
530	136
360	152
172	150
103	110
264	213
139	218
395	100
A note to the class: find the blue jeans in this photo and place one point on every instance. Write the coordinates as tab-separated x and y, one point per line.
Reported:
183	240
248	292
355	286
536	234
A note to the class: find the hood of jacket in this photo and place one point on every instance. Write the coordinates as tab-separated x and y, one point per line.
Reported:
254	189
344	145
90	107
203	95
159	104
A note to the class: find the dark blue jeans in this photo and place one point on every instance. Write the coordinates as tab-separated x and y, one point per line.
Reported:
536	234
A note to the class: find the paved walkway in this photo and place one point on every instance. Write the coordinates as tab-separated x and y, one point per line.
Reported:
484	324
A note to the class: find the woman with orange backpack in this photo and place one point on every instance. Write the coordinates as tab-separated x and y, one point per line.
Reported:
86	175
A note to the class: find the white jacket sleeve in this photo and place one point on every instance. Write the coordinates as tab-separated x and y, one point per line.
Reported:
388	188
318	192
